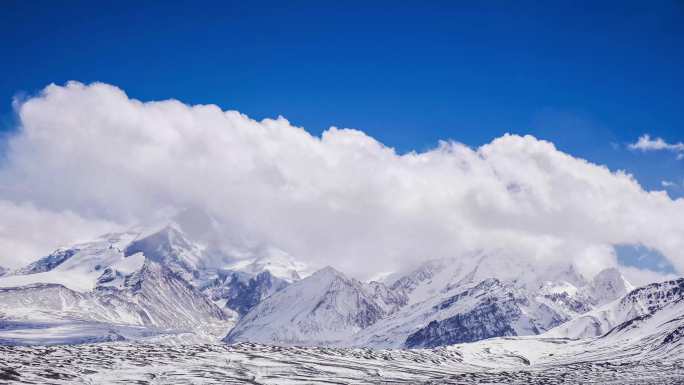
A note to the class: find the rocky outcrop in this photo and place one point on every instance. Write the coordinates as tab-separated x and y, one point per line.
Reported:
242	291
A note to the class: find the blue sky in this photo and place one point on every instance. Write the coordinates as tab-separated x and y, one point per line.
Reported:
589	76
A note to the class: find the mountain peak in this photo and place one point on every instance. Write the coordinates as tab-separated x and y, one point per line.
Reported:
328	271
323	308
170	247
608	285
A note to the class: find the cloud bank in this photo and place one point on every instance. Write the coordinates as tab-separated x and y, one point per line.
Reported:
90	154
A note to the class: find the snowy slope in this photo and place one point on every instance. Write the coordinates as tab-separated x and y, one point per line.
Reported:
640	303
453	301
110	288
646	325
170	248
520	361
151	300
441	302
77	267
325	308
468	312
647	348
140	283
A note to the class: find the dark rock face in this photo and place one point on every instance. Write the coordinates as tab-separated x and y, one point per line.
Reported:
656	295
490	319
108	275
49	262
568	302
242	292
674	336
497	310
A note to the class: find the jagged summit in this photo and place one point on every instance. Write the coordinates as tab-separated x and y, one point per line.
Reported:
169	247
323	308
608	285
327	272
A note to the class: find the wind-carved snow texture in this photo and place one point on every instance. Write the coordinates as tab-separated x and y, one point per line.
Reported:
514	361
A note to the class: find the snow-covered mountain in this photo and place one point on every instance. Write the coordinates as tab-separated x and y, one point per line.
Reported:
505	309
132	285
98	291
451	302
152	302
162	283
441	302
648	350
635	308
325	308
645	327
170	248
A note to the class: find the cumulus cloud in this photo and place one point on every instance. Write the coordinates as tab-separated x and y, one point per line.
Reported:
668	184
645	143
343	198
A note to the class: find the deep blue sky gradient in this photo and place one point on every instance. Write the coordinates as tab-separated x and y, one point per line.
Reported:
589	76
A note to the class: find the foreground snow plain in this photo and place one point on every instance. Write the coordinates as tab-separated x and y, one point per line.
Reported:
498	361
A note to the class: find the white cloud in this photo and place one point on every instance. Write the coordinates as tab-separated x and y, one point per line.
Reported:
342	199
645	143
639	277
667	184
27	232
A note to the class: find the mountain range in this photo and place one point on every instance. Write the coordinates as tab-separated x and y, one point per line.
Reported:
161	285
